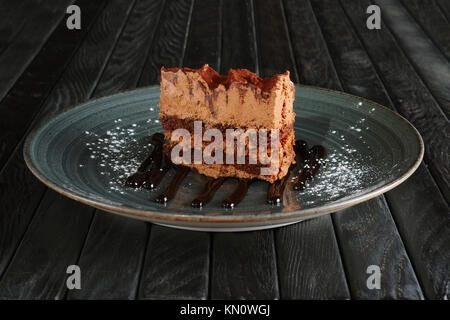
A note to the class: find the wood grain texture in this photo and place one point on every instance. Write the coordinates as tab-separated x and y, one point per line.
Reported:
358	76
27	29
274	47
244	266
175	265
409	95
75	86
20	191
312	57
362	230
428	61
128	59
354	69
170	40
20	194
238	48
177	262
309	263
81	77
433	21
111	259
11	15
31	89
52	243
444	6
204	39
425	228
114	250
421	199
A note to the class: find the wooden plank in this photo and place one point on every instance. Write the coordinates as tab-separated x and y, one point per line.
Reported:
357	76
243	264
176	261
170	40
239	49
411	97
313	63
428	61
204	40
20	191
355	72
67	92
303	272
309	263
33	86
424	224
115	247
127	62
20	194
379	244
30	26
52	243
111	258
274	47
433	21
176	265
11	15
418	198
444	5
86	66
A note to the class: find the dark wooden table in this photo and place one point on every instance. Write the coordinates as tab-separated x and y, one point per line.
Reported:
44	67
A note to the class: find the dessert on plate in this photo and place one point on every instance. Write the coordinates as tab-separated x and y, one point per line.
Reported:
240	106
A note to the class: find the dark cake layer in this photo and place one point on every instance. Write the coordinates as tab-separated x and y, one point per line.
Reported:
170	123
252	170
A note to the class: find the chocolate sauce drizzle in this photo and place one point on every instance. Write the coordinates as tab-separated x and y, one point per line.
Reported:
238	194
210	188
157	164
171	191
309	161
276	190
144	178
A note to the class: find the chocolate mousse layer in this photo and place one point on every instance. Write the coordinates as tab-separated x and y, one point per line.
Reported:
241	99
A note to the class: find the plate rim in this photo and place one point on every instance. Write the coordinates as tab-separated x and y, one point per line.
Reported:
151	214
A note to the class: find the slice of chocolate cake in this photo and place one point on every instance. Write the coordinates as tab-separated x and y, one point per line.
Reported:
210	117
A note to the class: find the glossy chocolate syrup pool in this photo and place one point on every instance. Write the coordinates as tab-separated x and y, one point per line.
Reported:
153	169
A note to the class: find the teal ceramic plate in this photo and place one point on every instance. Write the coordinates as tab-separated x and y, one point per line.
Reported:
87	152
